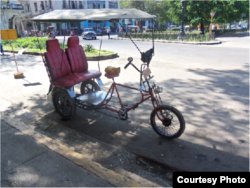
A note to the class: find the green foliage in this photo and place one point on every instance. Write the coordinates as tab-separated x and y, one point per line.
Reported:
175	29
197	12
88	47
159	8
29	43
3	1
234	11
171	35
158	30
33	46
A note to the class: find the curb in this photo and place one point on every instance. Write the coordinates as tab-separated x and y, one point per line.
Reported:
107	175
89	58
172	41
11	51
103	57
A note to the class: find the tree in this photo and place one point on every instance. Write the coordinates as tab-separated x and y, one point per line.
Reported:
234	11
198	12
158	8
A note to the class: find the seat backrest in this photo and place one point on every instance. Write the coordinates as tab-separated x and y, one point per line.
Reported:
56	59
76	55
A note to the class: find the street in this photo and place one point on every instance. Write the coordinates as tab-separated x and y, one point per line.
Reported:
208	84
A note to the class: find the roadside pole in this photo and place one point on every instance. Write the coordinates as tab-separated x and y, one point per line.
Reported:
212	16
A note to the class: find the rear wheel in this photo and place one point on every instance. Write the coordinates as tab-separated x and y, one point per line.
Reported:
172	126
64	104
89	86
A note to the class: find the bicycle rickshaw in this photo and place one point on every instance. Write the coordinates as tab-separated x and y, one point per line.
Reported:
70	67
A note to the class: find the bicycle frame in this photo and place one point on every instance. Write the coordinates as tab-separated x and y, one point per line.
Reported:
144	94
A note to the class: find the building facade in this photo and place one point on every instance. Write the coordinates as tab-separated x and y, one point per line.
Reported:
31	8
10	11
22	11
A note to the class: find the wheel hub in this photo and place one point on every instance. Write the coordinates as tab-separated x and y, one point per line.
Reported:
166	122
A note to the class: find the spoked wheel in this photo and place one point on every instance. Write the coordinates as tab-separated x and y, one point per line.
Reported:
64	104
89	86
172	126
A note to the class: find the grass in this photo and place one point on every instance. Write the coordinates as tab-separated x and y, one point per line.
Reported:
32	45
9	48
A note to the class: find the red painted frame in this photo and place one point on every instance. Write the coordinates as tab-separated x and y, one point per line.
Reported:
155	98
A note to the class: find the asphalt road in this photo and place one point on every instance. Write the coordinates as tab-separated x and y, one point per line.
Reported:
208	84
232	50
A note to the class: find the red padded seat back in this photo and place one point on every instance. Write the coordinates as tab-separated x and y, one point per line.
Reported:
76	55
56	59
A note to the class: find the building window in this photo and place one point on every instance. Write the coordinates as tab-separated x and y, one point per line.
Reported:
46	4
103	5
113	5
28	8
64	4
50	4
42	5
35	5
80	5
89	5
76	5
99	6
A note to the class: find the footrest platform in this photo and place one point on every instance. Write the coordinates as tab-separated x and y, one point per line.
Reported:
94	98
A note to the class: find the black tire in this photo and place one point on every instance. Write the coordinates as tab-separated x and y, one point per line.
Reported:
64	104
165	130
89	86
95	38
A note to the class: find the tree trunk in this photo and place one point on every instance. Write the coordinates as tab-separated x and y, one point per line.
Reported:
202	28
141	28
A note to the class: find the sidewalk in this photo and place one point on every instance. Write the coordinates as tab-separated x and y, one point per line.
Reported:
52	162
26	163
29	158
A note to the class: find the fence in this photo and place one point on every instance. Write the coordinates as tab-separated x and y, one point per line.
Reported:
229	31
169	36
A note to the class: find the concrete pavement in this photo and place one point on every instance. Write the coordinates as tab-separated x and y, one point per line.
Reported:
30	158
27	163
209	85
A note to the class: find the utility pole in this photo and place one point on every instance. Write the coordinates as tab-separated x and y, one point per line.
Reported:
182	33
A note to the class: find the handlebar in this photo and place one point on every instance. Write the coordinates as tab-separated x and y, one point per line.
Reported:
130	59
127	65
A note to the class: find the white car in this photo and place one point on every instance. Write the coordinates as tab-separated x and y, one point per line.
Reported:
89	33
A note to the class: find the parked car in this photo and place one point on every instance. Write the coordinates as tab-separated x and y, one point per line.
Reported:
89	33
99	32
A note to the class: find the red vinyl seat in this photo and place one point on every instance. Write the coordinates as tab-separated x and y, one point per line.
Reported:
58	66
78	59
111	75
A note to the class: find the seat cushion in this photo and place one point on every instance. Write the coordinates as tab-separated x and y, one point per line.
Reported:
76	55
89	74
68	81
56	60
111	75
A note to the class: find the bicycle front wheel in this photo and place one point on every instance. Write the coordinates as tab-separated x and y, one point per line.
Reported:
172	124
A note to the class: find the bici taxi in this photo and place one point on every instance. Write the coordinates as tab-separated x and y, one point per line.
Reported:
70	67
